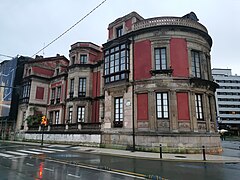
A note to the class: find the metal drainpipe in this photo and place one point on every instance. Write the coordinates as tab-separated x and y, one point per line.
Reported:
133	117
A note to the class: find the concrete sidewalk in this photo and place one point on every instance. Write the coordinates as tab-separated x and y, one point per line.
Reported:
143	155
156	156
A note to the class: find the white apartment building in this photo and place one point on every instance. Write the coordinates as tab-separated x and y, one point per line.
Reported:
227	99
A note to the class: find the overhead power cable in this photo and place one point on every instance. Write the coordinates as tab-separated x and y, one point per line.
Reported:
6	56
70	28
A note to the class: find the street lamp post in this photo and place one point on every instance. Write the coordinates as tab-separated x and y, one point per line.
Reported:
43	124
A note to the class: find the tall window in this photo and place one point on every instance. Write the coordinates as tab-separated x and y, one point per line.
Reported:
160	57
70	111
83	59
57	117
210	107
162	105
73	60
81	114
50	117
58	94
26	91
196	70
82	87
116	63
198	104
119	31
118	111
71	88
53	91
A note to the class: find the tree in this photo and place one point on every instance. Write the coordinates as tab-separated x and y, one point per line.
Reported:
34	119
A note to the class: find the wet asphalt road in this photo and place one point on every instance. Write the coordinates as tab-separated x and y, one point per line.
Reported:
47	166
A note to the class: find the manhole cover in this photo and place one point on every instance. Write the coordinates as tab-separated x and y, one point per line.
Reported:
180	156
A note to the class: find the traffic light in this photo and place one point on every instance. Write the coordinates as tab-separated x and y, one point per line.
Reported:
44	120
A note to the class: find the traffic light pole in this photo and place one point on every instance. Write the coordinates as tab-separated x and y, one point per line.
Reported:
42	134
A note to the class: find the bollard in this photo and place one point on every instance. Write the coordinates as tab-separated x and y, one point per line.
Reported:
160	151
203	151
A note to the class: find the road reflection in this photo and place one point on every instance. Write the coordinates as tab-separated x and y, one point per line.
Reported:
40	171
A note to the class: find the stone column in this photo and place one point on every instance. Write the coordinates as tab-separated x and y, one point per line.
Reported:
74	113
152	111
213	106
192	107
107	113
206	112
173	119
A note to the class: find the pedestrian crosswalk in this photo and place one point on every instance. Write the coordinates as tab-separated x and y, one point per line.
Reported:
29	151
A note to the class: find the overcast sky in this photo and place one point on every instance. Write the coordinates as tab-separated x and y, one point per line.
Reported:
27	25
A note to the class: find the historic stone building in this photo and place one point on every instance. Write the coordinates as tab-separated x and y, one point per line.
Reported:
40	76
158	84
84	94
149	84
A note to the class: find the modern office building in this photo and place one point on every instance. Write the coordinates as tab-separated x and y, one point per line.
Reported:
227	100
151	83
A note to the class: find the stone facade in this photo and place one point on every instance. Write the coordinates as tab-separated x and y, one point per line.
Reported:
149	84
185	80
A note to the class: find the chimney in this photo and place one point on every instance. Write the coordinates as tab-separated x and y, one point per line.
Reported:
38	57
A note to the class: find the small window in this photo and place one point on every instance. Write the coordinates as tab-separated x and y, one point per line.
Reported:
119	31
70	111
160	58
58	94
71	88
53	91
82	87
83	59
40	93
196	69
81	114
57	71
57	117
118	112
198	104
73	60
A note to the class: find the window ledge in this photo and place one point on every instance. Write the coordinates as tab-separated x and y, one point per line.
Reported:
165	71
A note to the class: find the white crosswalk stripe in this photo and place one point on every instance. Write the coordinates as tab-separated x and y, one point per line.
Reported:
41	150
58	150
60	145
5	155
16	153
29	152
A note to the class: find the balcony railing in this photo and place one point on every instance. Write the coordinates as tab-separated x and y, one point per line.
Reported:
33	128
168	21
57	100
52	101
76	127
57	127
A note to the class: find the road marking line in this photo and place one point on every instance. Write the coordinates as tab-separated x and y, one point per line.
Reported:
5	155
60	150
28	164
29	152
74	175
16	153
59	145
41	150
48	169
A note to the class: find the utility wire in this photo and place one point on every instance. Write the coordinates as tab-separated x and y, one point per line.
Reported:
6	56
70	28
